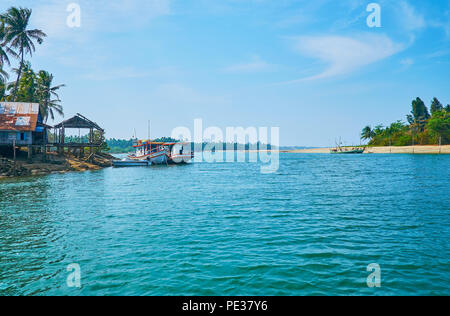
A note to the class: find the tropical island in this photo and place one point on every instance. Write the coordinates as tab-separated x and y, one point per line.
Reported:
28	101
424	132
422	128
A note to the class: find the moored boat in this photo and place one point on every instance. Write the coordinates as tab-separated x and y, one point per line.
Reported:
160	153
153	152
342	150
181	153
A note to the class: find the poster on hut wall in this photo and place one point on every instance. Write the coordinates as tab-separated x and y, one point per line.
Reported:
23	121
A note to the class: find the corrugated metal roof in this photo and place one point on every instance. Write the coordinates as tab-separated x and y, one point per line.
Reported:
16	116
79	121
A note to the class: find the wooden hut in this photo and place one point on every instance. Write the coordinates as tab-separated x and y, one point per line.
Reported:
79	122
21	125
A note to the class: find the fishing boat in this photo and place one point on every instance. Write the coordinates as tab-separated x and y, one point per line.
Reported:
155	153
347	150
160	153
342	150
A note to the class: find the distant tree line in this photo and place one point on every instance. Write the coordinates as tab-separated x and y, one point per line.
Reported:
118	146
423	127
124	146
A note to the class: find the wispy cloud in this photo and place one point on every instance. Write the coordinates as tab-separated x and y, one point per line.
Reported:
256	64
98	16
407	62
178	93
439	53
410	18
345	54
444	23
116	74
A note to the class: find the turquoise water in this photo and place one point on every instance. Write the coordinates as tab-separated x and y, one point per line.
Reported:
312	228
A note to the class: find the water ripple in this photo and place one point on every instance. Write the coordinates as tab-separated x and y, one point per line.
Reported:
225	229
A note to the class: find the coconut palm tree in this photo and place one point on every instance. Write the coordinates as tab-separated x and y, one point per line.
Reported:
5	51
4	59
367	133
3	77
18	37
48	96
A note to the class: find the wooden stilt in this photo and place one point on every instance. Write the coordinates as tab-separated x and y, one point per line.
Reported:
30	152
91	140
14	149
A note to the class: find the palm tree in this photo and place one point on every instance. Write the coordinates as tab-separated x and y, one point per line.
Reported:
48	97
27	88
4	59
3	77
367	133
18	37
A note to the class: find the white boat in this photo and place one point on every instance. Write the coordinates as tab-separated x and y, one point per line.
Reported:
153	152
159	153
181	153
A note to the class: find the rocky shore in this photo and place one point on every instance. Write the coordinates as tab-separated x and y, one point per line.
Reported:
52	163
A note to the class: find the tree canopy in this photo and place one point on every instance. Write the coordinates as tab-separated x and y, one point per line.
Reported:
422	128
16	42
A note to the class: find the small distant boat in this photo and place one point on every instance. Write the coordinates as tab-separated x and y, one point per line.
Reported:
347	150
343	150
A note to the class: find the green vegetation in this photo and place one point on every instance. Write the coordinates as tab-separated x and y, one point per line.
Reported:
120	146
17	42
422	128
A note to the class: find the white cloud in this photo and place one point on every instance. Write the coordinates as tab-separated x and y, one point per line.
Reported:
256	64
98	16
407	62
444	24
345	54
122	73
51	18
115	74
176	94
411	20
439	53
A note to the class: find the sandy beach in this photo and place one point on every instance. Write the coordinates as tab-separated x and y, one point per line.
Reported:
384	150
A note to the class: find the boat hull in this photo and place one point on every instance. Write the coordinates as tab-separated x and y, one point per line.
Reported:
348	152
130	163
181	159
159	159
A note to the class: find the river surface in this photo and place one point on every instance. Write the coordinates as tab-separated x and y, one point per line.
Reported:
311	228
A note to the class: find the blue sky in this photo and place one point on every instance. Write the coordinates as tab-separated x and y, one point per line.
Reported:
313	68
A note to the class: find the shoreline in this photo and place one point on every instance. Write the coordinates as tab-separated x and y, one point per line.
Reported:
419	149
54	164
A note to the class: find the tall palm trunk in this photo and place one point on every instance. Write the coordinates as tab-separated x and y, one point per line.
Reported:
18	76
